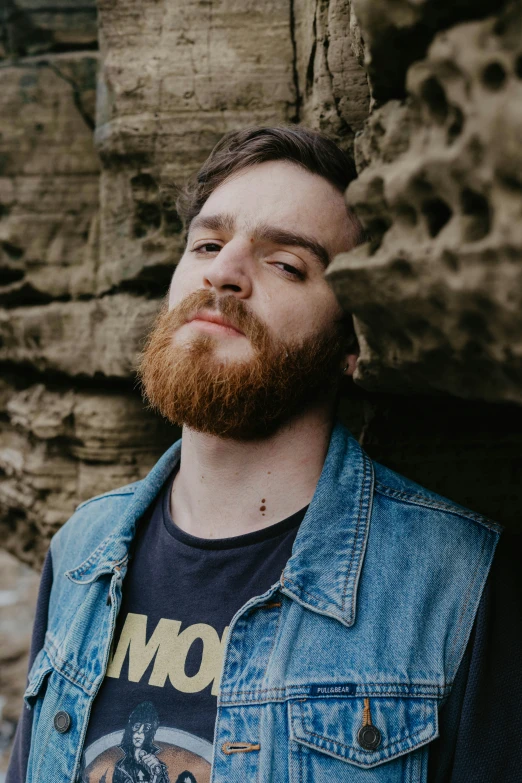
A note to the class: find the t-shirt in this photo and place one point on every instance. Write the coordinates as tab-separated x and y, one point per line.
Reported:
480	728
153	718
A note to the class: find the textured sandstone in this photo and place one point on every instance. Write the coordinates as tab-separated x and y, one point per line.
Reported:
98	336
198	72
59	448
438	290
49	174
333	87
29	27
395	34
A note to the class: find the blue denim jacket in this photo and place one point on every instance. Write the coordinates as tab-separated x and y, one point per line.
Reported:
366	628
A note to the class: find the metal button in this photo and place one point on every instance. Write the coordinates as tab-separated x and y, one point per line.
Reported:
369	737
62	722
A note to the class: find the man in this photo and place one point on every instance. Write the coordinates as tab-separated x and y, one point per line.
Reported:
140	762
341	613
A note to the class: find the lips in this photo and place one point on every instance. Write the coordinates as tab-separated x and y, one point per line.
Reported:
214	318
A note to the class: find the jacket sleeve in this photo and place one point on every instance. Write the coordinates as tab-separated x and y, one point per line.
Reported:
480	738
17	770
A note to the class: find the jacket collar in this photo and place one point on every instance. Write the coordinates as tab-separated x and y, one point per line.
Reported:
323	571
113	552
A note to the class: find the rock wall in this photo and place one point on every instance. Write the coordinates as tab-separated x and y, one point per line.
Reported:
438	289
89	235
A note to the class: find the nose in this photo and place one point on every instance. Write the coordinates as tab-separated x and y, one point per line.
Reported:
230	270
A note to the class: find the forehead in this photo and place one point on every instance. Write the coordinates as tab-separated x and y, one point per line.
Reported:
283	194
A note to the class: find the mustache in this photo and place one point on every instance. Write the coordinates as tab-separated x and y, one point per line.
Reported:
233	309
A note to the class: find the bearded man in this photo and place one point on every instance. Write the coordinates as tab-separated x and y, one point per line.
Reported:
293	610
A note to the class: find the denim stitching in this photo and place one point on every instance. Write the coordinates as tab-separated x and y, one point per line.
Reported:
413	737
299	752
43	746
465	606
93	557
274	637
343	603
301	759
122	492
411	498
282	699
368	499
299	590
65	668
399	738
411	764
359	685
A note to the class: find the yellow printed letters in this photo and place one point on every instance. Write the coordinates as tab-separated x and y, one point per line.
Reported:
169	649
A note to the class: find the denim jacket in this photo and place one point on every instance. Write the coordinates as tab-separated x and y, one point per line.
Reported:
336	673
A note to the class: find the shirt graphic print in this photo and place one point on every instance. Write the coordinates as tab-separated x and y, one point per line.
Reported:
153	718
140	743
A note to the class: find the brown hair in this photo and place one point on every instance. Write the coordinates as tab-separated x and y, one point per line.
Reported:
240	149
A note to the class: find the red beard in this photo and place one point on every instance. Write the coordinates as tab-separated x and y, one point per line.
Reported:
242	400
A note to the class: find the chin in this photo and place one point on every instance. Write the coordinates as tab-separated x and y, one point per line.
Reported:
228	355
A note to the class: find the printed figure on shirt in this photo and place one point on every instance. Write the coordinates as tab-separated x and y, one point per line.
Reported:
140	764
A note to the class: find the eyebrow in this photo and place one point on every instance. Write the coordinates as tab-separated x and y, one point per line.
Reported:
264	231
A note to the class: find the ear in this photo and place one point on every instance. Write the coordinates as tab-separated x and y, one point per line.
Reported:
350	362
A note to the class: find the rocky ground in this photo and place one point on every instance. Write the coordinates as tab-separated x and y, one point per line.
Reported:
18	591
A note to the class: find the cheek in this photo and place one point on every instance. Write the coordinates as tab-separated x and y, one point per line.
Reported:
308	315
180	284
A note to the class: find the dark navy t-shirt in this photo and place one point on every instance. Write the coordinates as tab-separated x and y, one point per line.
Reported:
153	718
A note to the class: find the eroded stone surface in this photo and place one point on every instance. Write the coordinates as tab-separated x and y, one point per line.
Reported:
437	292
49	175
98	336
29	27
395	34
197	72
333	86
59	448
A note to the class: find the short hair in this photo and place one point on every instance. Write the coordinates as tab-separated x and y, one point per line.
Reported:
240	149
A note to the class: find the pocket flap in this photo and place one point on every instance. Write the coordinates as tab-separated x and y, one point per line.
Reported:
332	726
39	670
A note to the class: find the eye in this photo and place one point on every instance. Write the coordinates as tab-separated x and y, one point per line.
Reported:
204	248
290	271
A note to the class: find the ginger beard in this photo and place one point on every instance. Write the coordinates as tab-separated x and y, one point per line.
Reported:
238	399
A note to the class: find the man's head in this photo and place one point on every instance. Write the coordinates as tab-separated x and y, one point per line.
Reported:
264	217
141	728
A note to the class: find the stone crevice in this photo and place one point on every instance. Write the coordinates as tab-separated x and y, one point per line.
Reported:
295	71
76	92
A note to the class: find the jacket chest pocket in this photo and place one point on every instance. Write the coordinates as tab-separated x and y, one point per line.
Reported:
327	743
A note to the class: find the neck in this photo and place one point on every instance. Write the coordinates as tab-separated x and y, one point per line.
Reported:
227	488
